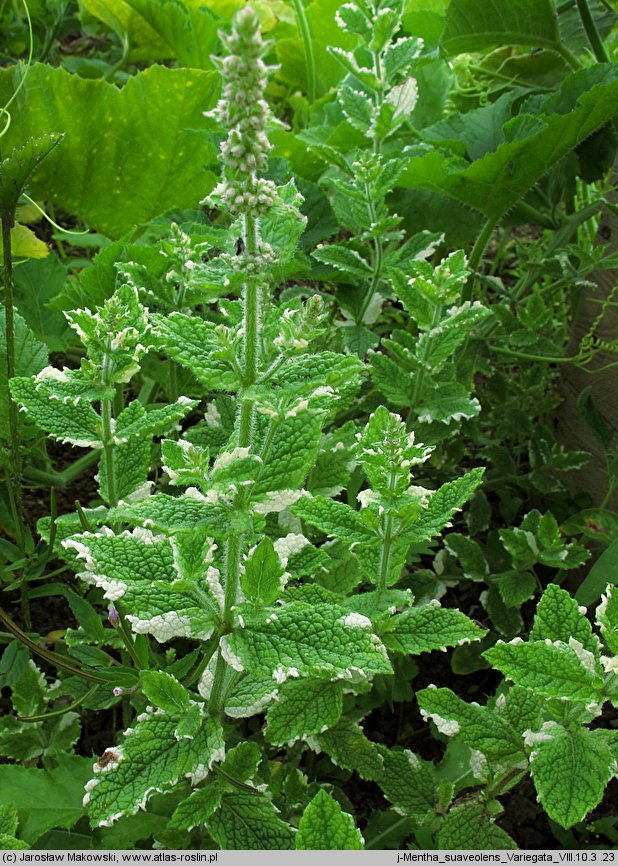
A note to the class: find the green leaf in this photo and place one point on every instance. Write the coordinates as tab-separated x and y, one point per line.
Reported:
558	617
357	108
408	782
497	181
164	691
16	169
344	259
478	727
30	357
320	640
324	826
554	670
37	284
8	820
155	119
348	748
249	822
597	578
191	341
151	760
451	402
570	768
67	422
198	808
189	31
250	695
184	463
45	798
333	518
131	459
140	568
607	618
472	27
242	761
262	579
429	627
173	514
303	708
470	827
155	421
448	499
291	453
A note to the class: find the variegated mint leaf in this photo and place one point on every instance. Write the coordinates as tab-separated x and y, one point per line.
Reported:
164	691
607	618
521	708
299	640
192	342
476	726
241	762
324	826
387	452
348	748
559	617
303	708
333	518
249	696
172	514
446	402
139	568
554	670
429	627
444	502
263	578
299	557
184	464
151	760
77	424
198	808
343	258
155	421
437	345
408	782
470	827
570	768
71	386
249	822
324	370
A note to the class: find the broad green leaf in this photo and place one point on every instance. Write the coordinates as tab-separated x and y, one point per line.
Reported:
16	169
429	627
154	120
333	518
303	708
324	826
320	640
348	748
262	579
408	782
198	808
151	759
37	284
497	181
558	617
242	761
448	499
476	726
607	618
25	244
139	568
249	822
472	26
555	670
570	768
155	421
164	691
599	575
118	15
45	798
191	341
30	357
77	424
10	843
470	827
188	28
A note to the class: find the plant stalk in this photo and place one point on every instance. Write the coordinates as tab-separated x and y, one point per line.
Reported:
305	32
592	33
480	245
